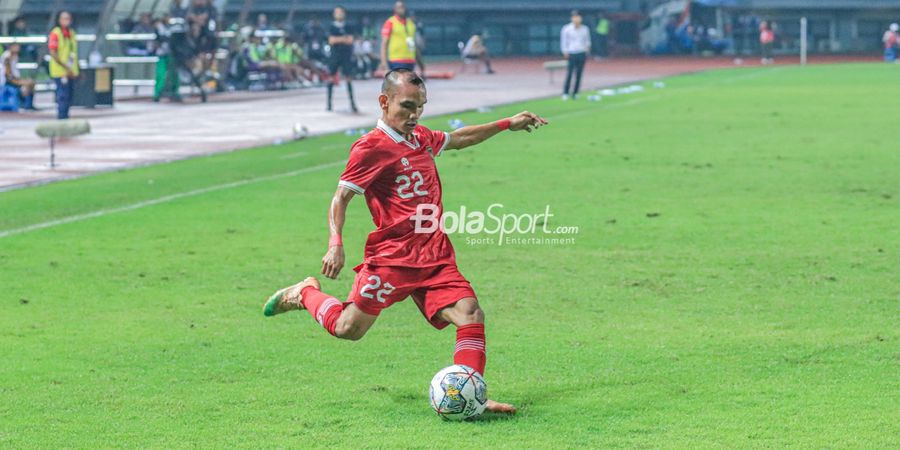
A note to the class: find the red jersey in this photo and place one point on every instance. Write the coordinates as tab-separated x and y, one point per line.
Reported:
396	176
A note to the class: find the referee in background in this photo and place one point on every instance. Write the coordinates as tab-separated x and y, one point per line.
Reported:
575	43
340	38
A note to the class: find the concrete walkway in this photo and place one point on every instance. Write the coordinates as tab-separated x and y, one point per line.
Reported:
138	131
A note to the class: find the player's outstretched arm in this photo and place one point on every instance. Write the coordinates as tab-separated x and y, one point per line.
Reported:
476	134
333	261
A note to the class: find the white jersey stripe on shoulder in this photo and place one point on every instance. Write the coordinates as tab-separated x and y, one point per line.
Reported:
352	187
444	145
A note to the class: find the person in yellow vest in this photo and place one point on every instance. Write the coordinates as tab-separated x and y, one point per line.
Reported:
602	36
64	70
398	41
287	55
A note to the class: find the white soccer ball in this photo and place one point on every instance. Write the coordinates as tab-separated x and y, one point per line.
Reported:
458	393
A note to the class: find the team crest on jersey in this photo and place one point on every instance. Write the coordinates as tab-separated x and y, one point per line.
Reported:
405	163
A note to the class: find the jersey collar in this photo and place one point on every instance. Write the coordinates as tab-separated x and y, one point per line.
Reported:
396	137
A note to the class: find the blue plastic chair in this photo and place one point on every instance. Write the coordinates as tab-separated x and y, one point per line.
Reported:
9	99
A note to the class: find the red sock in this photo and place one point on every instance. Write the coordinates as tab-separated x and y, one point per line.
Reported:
470	347
323	307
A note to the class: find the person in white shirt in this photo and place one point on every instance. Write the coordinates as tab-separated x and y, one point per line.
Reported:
10	77
575	43
475	49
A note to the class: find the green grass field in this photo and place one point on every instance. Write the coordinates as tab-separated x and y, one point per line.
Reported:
734	283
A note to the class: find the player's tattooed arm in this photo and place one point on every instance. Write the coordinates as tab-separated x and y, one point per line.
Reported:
333	261
476	134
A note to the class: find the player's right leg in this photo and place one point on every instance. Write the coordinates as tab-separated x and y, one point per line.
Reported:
342	320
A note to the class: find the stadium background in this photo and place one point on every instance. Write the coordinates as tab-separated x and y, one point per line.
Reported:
514	27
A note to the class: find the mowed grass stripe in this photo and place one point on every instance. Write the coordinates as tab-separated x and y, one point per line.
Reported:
616	103
733	285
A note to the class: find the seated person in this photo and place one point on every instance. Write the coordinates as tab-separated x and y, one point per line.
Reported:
11	77
256	54
288	55
476	50
144	26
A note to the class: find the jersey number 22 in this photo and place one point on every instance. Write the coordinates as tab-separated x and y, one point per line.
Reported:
405	182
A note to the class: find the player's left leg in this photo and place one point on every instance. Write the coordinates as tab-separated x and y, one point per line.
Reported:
341	320
332	80
470	343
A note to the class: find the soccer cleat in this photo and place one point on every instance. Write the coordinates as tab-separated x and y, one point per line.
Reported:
289	298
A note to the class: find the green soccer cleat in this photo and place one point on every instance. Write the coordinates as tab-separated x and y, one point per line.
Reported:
289	298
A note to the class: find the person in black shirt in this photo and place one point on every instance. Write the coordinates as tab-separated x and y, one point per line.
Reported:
340	38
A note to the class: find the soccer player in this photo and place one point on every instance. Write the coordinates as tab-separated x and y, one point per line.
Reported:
341	41
393	167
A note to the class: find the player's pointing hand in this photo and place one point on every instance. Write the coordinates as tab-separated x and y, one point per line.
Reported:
526	121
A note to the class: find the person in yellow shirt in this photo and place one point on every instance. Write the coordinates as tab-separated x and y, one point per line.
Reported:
398	41
64	70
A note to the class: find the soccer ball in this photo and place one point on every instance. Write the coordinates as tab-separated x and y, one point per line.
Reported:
458	393
300	131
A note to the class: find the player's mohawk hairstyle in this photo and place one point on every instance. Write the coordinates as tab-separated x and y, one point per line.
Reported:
394	77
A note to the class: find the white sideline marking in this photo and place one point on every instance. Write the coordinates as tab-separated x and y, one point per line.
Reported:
667	94
165	199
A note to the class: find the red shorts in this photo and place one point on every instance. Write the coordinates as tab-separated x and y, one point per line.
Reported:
432	288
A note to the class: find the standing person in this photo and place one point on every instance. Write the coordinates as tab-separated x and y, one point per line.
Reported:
262	22
168	82
202	18
29	52
366	30
398	41
11	77
340	38
891	40
766	41
575	43
64	69
602	34
394	167
315	36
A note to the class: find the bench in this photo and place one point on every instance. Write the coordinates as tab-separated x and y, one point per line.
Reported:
60	129
554	66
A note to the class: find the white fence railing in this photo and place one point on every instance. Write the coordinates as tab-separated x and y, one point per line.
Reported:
132	71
